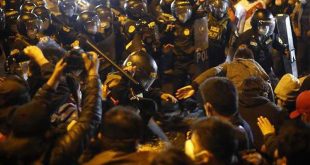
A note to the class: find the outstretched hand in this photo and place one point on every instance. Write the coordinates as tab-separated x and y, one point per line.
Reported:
168	97
265	126
185	92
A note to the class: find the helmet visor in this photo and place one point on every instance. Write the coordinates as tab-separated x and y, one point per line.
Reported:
92	27
183	13
266	27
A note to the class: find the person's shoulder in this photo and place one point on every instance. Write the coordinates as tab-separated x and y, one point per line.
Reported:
273	107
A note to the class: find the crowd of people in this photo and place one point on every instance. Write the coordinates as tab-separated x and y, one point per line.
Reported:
155	82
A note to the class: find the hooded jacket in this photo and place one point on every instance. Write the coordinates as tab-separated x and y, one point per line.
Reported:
252	106
64	148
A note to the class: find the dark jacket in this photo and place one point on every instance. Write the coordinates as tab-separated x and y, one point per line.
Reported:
68	147
252	106
120	158
245	137
64	148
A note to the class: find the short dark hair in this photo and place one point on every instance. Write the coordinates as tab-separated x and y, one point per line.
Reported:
14	90
294	142
218	137
121	128
172	156
243	52
221	94
255	84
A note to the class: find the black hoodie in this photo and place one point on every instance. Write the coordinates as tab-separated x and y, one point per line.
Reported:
251	106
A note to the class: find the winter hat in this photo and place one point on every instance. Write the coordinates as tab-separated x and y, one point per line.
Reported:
30	119
13	91
302	104
221	94
287	88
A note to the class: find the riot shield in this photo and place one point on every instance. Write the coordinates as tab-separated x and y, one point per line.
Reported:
201	33
284	30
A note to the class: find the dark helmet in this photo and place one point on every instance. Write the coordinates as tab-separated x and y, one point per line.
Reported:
165	5
146	68
67	7
28	24
148	30
263	22
2	20
105	15
135	9
27	7
218	8
13	4
181	10
44	15
11	19
89	21
39	2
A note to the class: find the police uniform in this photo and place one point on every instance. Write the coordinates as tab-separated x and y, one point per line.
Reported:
219	34
262	50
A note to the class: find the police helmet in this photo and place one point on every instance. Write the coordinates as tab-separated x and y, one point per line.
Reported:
105	15
263	22
181	10
28	24
135	9
146	68
67	7
165	5
89	21
218	8
148	30
44	15
27	7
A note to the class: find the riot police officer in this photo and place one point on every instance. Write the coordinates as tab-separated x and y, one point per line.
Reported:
28	25
135	10
45	16
105	37
139	24
89	23
261	39
184	34
219	31
68	9
66	22
119	91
